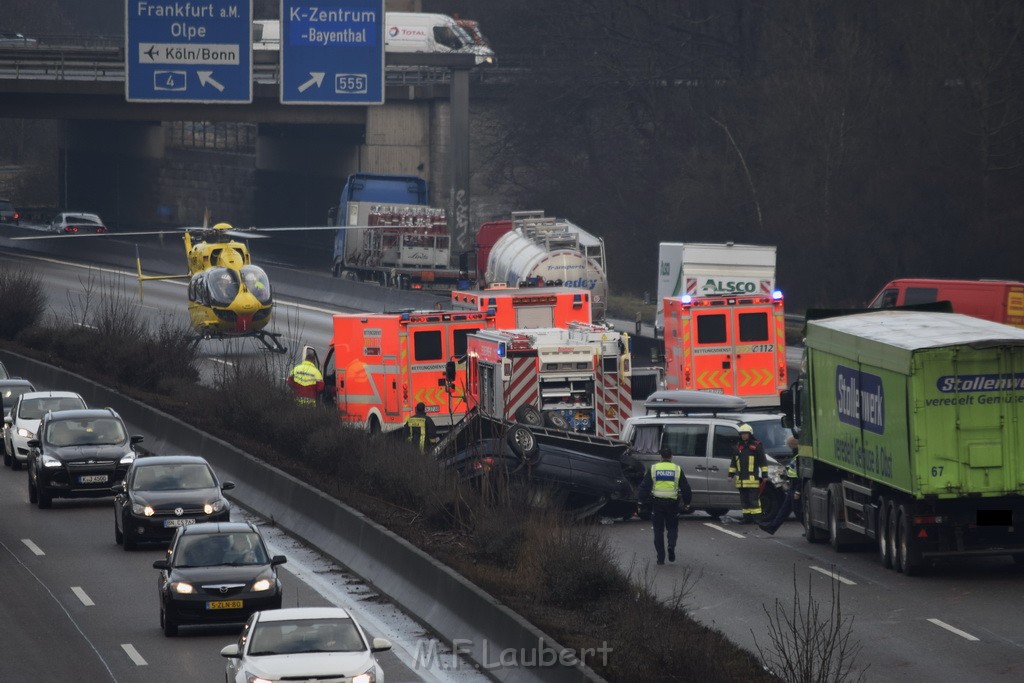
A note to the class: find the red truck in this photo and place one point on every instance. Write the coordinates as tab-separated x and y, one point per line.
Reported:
1000	301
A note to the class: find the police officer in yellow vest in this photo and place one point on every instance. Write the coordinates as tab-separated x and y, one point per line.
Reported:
749	466
662	487
420	429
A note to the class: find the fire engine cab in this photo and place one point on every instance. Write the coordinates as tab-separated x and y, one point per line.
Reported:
575	379
521	309
727	345
380	365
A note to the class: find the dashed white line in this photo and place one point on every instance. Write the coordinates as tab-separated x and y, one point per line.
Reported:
33	547
952	629
86	600
833	575
716	527
218	360
133	654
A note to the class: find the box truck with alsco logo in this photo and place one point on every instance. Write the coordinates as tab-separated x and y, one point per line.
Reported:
911	429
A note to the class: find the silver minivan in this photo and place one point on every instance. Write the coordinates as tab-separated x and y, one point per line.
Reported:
702	432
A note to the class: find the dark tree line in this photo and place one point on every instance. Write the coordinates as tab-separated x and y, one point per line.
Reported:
867	139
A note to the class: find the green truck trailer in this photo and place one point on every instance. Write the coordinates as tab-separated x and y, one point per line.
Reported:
911	428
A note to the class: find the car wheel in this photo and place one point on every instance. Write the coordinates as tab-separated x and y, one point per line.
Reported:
31	490
716	512
170	626
15	463
771	501
523	442
7	456
126	539
556	420
43	499
882	533
529	416
118	536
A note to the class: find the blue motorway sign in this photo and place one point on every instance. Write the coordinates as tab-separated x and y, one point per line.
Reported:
332	52
188	51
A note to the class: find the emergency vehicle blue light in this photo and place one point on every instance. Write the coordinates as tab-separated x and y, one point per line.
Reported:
686	298
406	316
501	349
492	310
777	295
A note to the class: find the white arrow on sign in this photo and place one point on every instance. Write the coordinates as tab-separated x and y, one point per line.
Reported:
317	78
206	78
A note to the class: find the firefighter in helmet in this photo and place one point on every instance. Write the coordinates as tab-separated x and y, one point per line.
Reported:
420	429
749	467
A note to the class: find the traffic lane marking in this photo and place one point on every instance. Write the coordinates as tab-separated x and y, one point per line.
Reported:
36	550
83	596
952	629
833	575
718	527
133	654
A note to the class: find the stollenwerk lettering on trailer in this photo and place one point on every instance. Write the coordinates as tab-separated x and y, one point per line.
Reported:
188	51
332	52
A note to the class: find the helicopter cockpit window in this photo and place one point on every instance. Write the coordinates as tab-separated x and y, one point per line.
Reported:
222	284
257	282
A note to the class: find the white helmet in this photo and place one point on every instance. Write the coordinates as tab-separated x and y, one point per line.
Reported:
746	428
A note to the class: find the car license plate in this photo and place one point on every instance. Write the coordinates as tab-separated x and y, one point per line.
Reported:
224	604
93	479
168	523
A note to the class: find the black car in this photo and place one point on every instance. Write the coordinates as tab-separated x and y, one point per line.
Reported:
161	493
216	573
585	473
10	390
8	214
78	454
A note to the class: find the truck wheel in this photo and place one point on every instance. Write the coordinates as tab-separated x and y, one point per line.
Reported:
523	442
556	420
882	533
906	545
529	416
835	498
811	533
892	518
716	512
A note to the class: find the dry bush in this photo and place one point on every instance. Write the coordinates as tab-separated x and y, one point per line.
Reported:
398	472
808	644
23	301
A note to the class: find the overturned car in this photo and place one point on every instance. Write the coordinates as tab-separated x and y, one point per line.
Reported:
586	474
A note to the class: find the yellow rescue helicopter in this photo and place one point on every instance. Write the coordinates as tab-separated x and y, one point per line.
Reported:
228	296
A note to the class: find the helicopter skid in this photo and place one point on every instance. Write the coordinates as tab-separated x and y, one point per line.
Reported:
268	339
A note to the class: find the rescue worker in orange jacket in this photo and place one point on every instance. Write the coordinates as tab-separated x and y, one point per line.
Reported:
749	466
419	429
306	380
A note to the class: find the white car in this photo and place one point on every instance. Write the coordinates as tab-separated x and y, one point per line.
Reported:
304	643
23	421
77	223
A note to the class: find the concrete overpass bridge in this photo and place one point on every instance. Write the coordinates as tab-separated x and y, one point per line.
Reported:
139	163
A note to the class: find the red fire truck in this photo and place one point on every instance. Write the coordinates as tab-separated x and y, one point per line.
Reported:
520	309
575	379
380	365
728	345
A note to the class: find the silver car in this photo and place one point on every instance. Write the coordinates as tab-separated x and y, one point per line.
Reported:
23	421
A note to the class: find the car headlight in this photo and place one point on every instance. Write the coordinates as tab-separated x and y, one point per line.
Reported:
183	587
24	433
215	506
253	678
368	676
128	458
50	461
776	473
262	585
146	510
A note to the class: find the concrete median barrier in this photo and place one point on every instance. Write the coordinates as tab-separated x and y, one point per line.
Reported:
484	630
